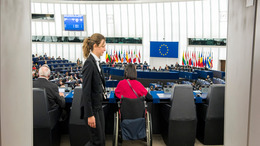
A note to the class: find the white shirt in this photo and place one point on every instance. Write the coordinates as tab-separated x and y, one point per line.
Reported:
97	60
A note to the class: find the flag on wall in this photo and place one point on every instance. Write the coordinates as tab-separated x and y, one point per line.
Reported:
164	49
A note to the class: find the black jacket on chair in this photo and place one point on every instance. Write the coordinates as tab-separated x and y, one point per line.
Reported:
92	91
54	99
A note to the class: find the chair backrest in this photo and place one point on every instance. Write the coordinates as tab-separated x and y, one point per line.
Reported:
216	97
41	117
183	106
75	108
132	108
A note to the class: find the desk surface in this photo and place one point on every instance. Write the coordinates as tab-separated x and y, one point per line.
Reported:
158	96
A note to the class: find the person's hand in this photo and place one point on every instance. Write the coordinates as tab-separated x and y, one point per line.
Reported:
61	94
92	122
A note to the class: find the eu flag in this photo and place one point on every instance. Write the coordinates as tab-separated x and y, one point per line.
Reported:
164	49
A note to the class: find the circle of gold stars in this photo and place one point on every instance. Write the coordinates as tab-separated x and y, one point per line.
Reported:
160	50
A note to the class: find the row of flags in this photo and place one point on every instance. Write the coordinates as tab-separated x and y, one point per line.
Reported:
123	56
197	59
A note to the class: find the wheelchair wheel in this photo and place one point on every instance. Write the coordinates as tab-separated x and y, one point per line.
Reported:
116	129
149	133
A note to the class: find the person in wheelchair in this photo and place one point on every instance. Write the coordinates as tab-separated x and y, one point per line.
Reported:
124	89
132	121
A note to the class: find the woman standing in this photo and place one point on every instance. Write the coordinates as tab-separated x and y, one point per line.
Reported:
93	88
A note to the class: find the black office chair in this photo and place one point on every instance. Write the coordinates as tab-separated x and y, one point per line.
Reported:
78	131
211	117
45	123
182	118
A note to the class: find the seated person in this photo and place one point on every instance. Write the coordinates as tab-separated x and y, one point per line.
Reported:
124	89
56	99
166	68
154	69
176	64
147	68
60	83
209	79
71	78
142	67
160	68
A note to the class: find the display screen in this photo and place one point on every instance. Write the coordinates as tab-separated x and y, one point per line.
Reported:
74	22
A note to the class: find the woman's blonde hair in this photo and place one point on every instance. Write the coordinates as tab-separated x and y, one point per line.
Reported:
89	42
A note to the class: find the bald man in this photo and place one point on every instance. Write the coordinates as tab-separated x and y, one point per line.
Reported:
56	99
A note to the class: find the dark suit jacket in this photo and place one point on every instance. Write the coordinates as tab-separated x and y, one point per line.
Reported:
92	90
55	100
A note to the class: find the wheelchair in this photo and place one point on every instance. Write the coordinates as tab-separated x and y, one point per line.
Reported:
132	121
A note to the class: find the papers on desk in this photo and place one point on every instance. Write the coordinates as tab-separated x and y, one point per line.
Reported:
197	91
164	95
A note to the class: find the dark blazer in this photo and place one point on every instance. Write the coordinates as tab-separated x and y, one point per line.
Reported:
55	100
92	90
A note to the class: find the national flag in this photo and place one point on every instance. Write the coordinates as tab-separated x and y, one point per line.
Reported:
126	56
129	58
201	60
116	57
212	60
139	57
209	60
189	59
192	58
109	58
106	57
119	56
183	59
135	56
124	60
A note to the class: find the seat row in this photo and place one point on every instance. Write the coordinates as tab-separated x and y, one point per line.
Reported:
185	120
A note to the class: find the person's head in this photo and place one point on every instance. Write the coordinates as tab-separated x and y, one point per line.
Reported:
160	67
130	72
67	74
96	43
33	73
44	71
